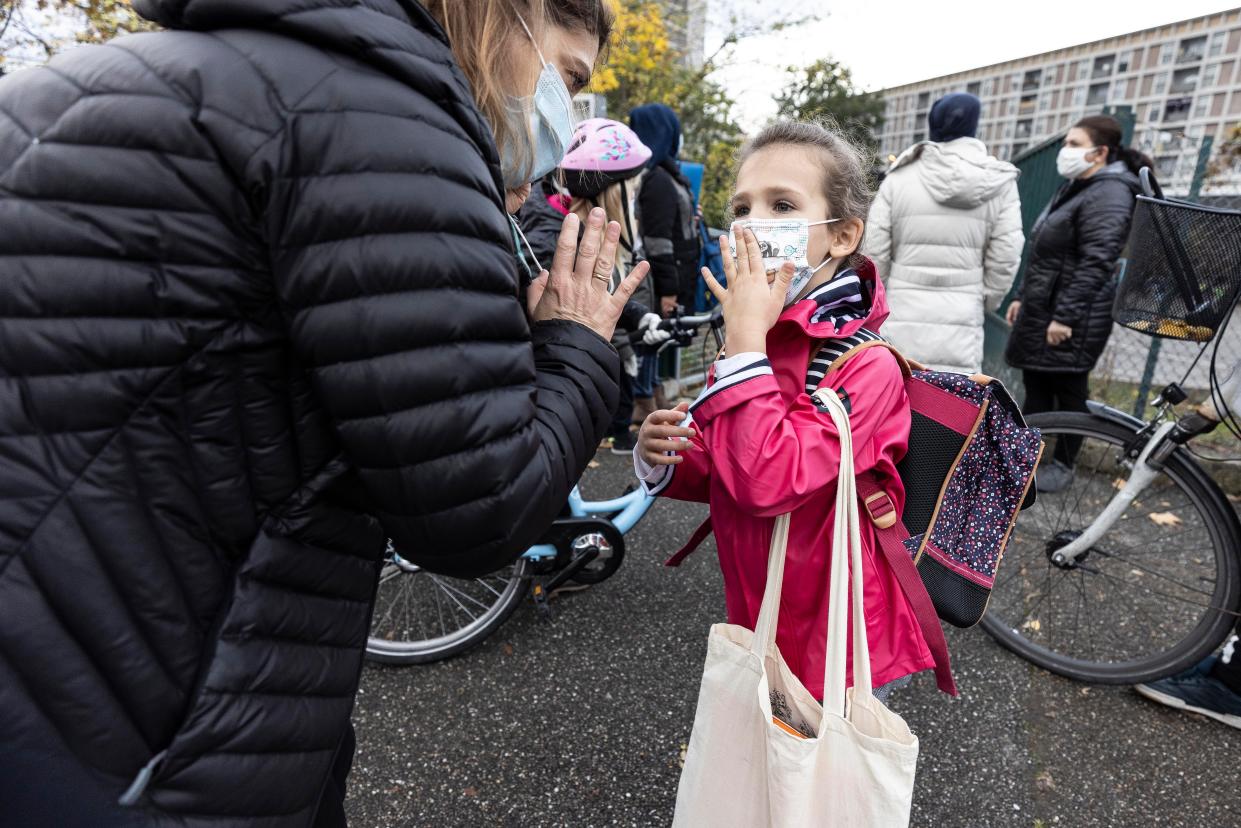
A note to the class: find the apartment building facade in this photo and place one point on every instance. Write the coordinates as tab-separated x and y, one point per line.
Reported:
1183	81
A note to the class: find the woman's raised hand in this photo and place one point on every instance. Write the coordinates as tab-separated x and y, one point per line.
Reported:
751	303
577	287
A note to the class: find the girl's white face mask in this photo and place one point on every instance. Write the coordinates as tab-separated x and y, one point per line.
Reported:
781	239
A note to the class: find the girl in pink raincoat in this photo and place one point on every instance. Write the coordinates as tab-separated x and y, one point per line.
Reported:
754	445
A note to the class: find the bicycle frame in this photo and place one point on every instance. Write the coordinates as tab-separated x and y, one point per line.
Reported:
628	510
1144	472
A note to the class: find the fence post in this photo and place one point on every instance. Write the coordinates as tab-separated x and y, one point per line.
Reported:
1148	377
1200	171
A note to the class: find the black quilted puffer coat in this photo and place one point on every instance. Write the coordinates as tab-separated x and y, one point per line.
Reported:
1071	274
258	310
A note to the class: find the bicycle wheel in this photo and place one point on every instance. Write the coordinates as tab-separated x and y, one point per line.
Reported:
420	617
1153	597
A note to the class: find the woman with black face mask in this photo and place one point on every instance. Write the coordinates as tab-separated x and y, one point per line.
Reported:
259	311
1063	313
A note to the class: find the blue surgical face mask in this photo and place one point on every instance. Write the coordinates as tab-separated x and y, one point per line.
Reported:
551	124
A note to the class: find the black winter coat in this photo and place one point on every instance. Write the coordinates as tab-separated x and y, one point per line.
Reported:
258	310
669	235
1070	277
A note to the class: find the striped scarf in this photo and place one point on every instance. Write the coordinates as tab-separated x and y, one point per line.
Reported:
842	300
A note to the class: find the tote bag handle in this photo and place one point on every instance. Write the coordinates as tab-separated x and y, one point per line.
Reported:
847	537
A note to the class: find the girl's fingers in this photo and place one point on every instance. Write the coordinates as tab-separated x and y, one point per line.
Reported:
717	290
652	444
784	278
730	265
754	254
740	234
660	459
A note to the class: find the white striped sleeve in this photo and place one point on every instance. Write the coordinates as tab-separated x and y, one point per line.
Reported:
733	371
654	479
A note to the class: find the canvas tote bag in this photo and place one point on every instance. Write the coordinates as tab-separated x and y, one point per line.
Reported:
763	752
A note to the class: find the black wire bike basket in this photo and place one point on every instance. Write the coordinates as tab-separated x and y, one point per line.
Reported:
1184	267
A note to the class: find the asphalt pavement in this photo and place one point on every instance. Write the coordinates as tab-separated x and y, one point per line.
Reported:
581	721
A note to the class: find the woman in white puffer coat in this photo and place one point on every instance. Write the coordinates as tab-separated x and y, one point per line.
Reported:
945	233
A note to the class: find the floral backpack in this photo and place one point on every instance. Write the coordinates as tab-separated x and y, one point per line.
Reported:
967	475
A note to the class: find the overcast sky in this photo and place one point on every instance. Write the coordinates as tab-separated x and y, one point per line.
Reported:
888	44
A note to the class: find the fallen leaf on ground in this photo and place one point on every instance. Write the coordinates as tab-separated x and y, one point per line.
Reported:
1165	519
470	791
1032	624
593	464
1118	483
508	648
1044	782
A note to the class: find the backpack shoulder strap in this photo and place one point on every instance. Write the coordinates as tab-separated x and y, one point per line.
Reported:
832	355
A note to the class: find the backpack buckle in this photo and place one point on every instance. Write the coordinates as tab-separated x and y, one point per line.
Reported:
881	510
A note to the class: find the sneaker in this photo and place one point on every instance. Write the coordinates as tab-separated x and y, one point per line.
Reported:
1197	691
624	444
1053	477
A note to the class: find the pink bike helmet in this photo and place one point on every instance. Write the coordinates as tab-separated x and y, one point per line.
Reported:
602	153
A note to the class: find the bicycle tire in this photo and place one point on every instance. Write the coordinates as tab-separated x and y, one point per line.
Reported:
401	653
1222	525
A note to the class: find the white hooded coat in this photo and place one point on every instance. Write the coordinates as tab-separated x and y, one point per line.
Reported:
945	234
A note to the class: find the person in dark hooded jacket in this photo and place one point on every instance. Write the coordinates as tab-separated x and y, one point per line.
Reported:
666	220
259	311
1062	317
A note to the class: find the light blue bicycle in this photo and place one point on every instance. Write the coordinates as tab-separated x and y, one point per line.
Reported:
421	617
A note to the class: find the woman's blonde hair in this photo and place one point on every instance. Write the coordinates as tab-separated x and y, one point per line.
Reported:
846	173
481	34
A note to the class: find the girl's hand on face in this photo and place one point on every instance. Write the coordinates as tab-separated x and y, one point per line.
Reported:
660	435
577	287
751	305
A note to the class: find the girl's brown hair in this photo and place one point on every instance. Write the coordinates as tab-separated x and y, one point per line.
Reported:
1105	131
481	34
846	178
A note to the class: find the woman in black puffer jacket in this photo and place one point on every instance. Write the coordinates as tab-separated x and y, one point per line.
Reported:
1063	314
258	311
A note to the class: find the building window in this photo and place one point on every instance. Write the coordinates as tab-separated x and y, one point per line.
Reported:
1177	109
1098	94
1103	66
1161	83
1083	69
1024	129
1184	81
1079	96
974	88
1201	106
1049	75
1044	101
1166	53
1210	75
1118	90
1217	43
1192	49
1122	63
1031	80
1018	148
924	100
919	137
1028	104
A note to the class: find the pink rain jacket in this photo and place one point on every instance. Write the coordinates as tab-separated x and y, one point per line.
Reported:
766	449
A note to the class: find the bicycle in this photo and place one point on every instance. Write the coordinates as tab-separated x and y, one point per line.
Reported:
420	617
1133	572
